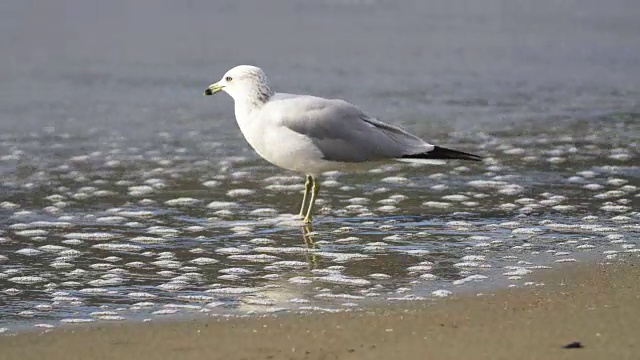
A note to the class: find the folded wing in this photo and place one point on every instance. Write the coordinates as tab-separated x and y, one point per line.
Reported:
343	133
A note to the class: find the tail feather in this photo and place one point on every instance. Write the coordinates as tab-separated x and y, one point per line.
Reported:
443	153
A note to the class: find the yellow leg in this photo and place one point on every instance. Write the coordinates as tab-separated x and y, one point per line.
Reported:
314	194
307	188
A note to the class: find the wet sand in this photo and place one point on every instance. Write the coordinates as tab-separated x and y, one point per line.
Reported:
594	304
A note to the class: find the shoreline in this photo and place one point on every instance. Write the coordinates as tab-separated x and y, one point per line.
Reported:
593	304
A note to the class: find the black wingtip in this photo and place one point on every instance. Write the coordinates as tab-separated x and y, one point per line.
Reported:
439	152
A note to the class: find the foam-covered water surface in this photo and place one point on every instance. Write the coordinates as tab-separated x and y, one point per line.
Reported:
128	229
125	195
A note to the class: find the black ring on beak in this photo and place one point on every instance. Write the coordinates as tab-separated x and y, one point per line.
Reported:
208	92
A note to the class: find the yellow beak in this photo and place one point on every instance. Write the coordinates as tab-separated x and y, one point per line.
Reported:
212	89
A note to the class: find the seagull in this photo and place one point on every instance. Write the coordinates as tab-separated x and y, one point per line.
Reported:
311	135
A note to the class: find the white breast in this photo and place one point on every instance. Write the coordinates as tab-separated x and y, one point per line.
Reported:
283	147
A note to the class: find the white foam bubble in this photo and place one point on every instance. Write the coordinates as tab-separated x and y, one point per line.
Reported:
300	280
32	232
165	312
44	326
76	320
343	280
395	180
211	183
344	257
257	258
455	197
183	201
106	282
147	240
240	192
9	205
141	295
420	268
90	236
236	271
233	290
615	208
231	251
136	213
61	265
203	261
27	279
564	208
167	264
117	247
12	291
511	189
526	231
173	286
28	252
518	271
339	296
282	250
163	231
379	276
470	278
441	293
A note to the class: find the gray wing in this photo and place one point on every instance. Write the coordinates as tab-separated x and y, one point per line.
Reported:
342	132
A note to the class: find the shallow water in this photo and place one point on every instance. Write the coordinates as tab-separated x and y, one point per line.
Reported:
126	195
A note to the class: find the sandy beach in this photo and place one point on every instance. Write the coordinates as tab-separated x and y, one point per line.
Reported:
595	305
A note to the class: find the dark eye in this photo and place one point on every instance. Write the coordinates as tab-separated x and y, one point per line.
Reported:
228	78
